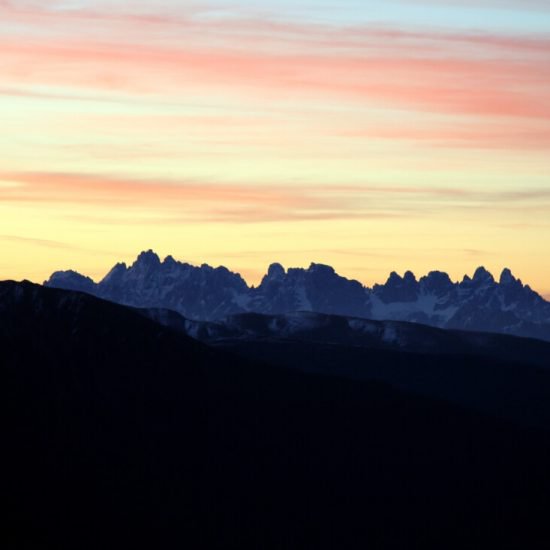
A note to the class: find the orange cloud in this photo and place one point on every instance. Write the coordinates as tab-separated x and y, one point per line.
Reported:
57	187
172	202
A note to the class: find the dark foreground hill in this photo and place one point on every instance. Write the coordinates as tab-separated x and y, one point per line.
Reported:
506	376
119	433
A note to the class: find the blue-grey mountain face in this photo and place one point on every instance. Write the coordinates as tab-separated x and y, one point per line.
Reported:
318	289
204	293
197	292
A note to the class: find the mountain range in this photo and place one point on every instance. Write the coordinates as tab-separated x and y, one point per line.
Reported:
204	293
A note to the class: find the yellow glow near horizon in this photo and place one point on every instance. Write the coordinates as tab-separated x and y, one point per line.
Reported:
220	141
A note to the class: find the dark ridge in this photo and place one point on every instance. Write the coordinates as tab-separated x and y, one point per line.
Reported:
121	433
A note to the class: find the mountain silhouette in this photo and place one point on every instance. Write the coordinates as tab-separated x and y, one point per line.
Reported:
204	293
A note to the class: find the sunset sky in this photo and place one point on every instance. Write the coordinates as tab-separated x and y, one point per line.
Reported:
369	135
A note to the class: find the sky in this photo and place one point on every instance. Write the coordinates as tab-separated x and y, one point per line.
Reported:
373	136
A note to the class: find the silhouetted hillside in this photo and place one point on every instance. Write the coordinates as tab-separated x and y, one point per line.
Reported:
506	376
122	433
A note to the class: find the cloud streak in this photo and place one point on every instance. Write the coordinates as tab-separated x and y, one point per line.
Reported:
461	73
464	86
43	243
173	202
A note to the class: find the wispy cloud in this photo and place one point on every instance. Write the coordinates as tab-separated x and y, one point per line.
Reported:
180	201
474	74
468	86
176	201
46	243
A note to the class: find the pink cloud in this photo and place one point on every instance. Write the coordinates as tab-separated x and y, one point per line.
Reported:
467	74
528	136
461	86
176	202
495	87
172	202
89	189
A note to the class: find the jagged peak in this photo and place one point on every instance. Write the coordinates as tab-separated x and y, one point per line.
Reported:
225	271
313	267
394	278
147	257
275	271
506	277
436	281
116	271
438	276
482	275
